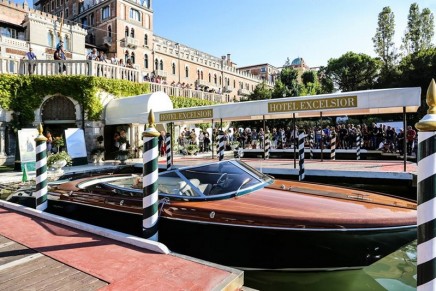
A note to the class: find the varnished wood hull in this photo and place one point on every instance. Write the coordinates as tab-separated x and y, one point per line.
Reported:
255	247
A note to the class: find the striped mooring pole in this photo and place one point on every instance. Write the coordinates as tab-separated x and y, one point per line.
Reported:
168	150
267	146
301	156
333	146
358	145
150	198
426	254
221	145
41	171
311	144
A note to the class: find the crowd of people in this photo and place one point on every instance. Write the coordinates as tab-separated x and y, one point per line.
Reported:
381	137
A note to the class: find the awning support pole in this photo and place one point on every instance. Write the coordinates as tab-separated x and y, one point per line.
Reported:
293	138
321	139
405	139
212	139
264	135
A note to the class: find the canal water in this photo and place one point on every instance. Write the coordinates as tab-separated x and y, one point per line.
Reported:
396	272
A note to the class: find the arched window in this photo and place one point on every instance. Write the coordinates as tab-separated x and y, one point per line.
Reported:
145	39
156	64
198	74
201	73
126	33
186	72
109	31
132	57
66	43
214	78
210	77
146	61
234	83
173	68
126	57
161	65
50	39
132	32
220	81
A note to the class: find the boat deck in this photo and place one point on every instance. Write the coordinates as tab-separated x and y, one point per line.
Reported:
37	254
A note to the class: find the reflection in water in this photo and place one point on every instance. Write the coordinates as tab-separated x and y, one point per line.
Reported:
396	272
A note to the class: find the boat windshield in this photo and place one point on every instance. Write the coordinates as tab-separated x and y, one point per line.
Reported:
206	182
212	180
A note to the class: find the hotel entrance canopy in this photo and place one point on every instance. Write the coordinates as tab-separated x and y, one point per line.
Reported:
368	102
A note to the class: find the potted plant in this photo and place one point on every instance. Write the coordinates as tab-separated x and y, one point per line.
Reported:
97	154
234	144
57	143
59	160
192	149
123	155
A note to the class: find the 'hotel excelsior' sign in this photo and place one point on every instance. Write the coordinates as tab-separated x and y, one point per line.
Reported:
313	104
193	114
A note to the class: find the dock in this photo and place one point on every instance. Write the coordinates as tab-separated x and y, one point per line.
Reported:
39	254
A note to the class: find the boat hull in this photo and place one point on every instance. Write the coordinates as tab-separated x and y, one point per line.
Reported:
248	247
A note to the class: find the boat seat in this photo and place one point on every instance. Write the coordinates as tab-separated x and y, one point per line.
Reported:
174	185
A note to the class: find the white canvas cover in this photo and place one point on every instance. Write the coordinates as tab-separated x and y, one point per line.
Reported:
382	101
135	109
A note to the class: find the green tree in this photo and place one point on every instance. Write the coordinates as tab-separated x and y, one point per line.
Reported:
417	70
289	78
419	31
261	92
383	39
311	84
353	71
427	28
280	90
325	81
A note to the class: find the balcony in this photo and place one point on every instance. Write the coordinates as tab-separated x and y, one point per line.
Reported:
130	42
107	40
161	73
227	89
201	82
243	92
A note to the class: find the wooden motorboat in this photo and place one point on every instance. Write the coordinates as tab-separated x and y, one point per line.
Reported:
229	213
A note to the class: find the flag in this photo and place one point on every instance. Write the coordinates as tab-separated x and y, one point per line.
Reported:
24	178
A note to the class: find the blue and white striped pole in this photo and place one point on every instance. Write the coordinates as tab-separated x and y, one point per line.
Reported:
267	146
426	255
311	144
168	150
150	175
41	171
221	145
358	145
333	146
301	156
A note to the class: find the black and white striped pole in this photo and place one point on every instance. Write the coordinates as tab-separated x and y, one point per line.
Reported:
311	144
358	145
41	171
301	156
267	146
221	145
150	198
168	150
333	146
426	255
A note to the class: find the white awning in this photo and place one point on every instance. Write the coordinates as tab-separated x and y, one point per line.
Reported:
135	109
368	102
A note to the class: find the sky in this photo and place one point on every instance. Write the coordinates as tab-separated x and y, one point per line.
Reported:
270	31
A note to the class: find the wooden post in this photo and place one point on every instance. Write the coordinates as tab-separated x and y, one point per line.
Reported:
150	175
41	171
426	257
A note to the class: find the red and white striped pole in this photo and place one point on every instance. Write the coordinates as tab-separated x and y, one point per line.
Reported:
426	257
